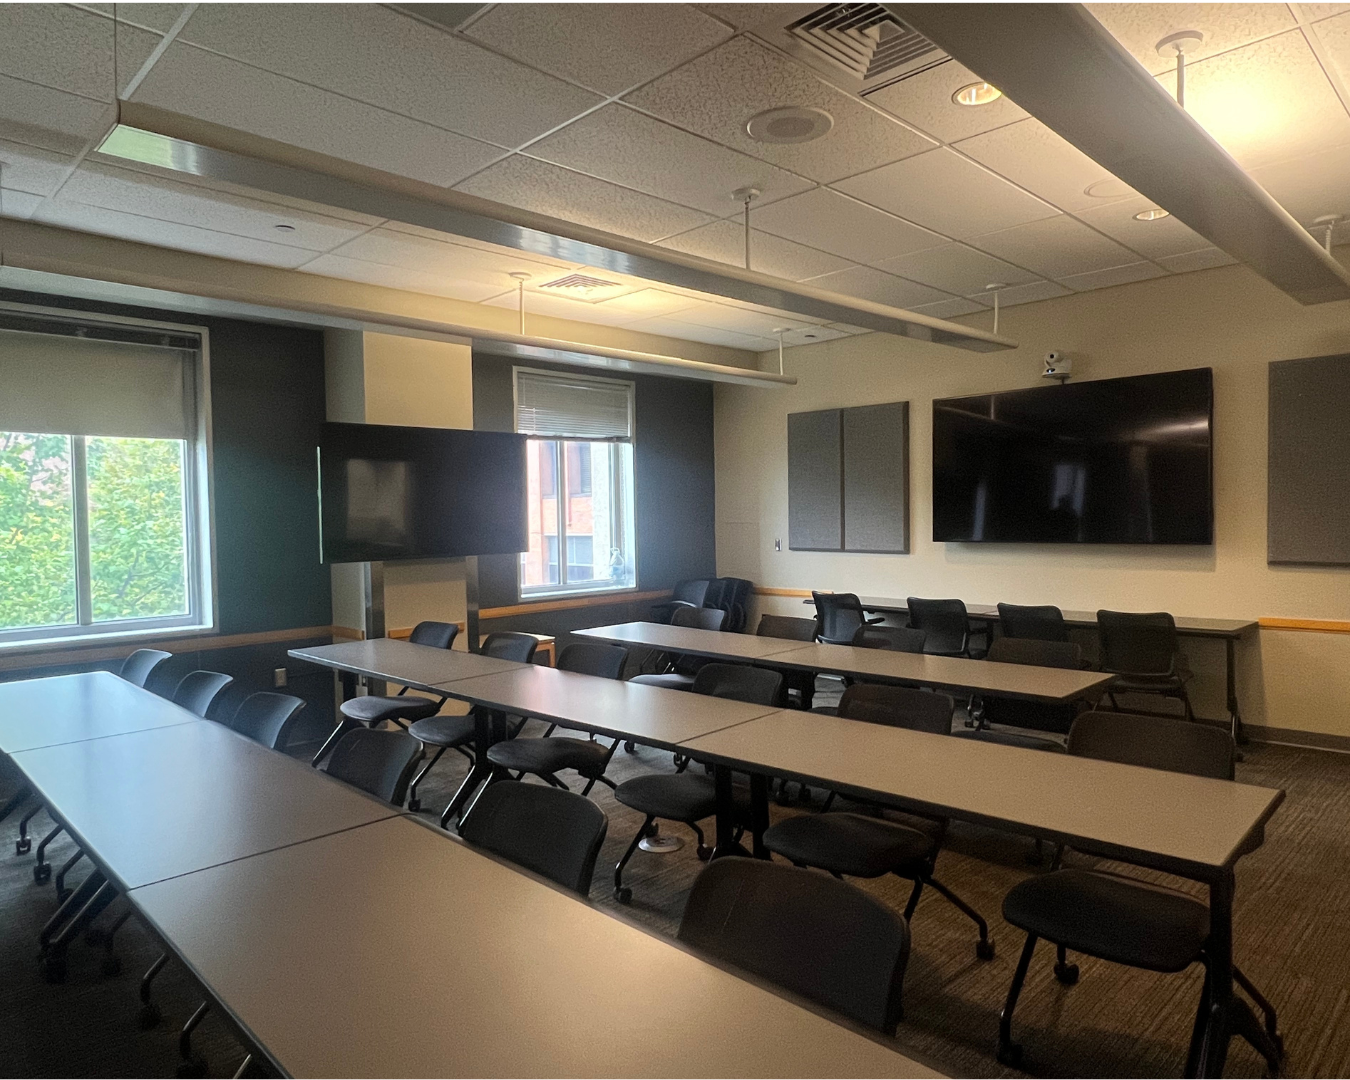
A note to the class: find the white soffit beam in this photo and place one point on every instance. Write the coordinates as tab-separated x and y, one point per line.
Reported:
1063	67
159	138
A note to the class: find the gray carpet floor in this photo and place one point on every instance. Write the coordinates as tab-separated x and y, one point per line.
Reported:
1292	937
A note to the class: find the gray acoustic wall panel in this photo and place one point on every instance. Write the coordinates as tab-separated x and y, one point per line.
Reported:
1308	501
876	478
815	488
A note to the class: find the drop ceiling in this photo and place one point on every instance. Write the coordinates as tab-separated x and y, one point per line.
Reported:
630	118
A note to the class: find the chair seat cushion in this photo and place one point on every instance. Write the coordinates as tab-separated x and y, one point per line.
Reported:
1112	917
371	709
444	730
850	844
549	755
681	797
672	681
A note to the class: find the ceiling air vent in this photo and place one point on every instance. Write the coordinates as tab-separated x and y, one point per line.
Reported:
579	283
863	42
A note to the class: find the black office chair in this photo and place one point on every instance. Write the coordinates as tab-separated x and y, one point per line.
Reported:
198	690
680	670
802	684
857	845
896	638
458	732
402	708
688	797
557	834
380	763
1119	918
820	938
690	593
838	616
140	665
267	718
947	625
1140	649
731	595
1041	622
1037	715
545	757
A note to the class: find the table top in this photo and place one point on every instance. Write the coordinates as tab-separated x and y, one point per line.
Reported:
1189	825
152	804
420	666
691	640
394	950
73	708
651	715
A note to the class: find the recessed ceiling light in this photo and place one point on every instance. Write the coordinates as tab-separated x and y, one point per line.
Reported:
284	228
977	93
1110	188
789	124
1153	213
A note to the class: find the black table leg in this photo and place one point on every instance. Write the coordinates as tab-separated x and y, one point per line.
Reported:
759	813
1234	714
726	815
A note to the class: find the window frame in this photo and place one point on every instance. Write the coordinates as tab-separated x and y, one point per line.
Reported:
562	486
198	505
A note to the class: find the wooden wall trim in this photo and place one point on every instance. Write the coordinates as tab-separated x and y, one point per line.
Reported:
765	590
91	652
1322	626
566	603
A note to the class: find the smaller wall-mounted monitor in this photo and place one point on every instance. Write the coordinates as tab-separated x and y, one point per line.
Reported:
388	493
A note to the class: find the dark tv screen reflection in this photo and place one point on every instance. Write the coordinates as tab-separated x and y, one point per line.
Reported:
388	493
1113	461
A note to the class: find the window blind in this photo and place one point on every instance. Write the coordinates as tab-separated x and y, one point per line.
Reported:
61	384
573	406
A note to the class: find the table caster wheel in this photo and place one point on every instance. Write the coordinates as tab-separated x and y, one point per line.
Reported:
149	1016
624	895
54	968
42	873
23	845
984	949
1010	1055
630	747
111	965
414	805
192	1067
1067	973
704	852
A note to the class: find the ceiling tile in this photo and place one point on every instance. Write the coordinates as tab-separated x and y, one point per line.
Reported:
707	334
1203	259
745	16
812	335
1152	239
1031	155
144	230
719	92
879	287
647	303
18	204
630	148
158	17
1269	101
756	323
1028	294
385	58
69	49
547	189
52	119
163	199
401	277
1055	247
1316	12
832	222
1310	186
951	309
1115	275
1139	27
607	47
941	190
925	101
224	91
26	168
956	268
724	241
457	263
561	307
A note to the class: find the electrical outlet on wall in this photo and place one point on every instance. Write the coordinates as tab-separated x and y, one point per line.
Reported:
279	676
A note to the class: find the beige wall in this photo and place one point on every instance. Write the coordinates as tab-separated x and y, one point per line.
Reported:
1227	319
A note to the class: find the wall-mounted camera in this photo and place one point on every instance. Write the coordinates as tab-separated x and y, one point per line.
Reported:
1057	366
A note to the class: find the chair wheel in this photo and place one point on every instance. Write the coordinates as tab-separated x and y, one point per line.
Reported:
651	830
704	852
624	895
54	968
803	794
1067	973
1010	1054
149	1016
193	1066
42	873
23	846
111	965
630	747
984	949
414	805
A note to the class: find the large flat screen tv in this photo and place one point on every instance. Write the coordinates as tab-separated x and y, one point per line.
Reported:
419	493
1115	461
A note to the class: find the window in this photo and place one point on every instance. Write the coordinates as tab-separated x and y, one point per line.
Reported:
580	483
102	476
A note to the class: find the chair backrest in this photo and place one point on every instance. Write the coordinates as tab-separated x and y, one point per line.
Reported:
593	658
895	638
1045	622
140	665
691	592
732	596
757	685
380	763
1155	742
266	718
944	621
839	616
1037	652
809	933
555	833
1137	643
439	635
785	626
898	706
701	618
198	690
507	645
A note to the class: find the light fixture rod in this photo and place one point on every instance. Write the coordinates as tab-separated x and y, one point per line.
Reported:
1181	76
996	311
746	195
520	290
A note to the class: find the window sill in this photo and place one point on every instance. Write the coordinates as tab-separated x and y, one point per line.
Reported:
575	594
92	640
